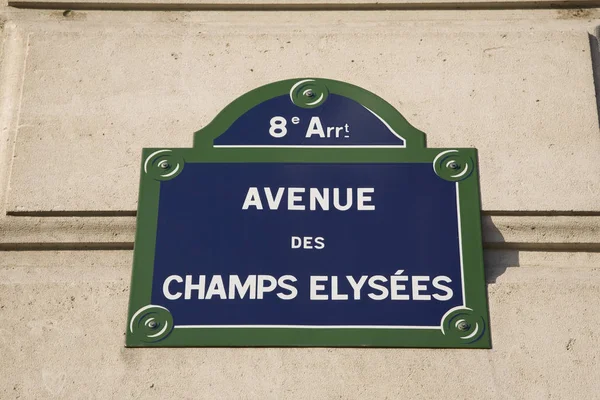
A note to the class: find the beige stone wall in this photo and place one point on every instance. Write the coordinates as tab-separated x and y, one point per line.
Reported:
81	92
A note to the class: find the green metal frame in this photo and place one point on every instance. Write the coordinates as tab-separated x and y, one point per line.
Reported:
465	327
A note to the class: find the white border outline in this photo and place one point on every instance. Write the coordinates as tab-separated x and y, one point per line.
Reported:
310	146
387	126
460	245
310	326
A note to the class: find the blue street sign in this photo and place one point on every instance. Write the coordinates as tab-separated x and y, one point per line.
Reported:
310	218
308	244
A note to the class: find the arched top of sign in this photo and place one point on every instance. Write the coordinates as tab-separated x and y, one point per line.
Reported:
309	113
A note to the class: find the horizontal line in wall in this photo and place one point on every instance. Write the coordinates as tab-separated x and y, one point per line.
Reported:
67	213
65	246
125	6
545	247
556	213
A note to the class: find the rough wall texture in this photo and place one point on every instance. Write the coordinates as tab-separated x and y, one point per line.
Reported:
81	92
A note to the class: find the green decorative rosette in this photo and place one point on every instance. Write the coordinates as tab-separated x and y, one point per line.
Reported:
453	166
309	93
163	165
463	325
151	323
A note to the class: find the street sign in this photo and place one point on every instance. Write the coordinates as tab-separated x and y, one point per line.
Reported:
308	213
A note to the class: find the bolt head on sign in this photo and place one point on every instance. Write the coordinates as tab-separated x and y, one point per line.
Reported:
309	213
